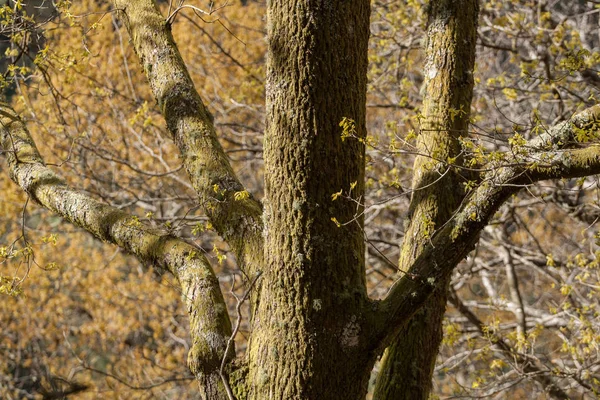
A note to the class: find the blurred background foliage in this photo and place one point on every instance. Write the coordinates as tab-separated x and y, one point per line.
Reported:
83	319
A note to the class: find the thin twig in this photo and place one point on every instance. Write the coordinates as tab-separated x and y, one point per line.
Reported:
198	11
230	341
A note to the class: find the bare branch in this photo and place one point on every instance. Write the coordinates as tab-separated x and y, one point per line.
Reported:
537	372
231	341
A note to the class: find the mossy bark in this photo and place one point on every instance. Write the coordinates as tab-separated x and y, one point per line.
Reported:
210	326
309	333
408	363
237	220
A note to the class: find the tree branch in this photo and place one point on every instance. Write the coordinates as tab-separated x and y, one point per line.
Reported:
210	326
529	366
234	213
564	134
452	242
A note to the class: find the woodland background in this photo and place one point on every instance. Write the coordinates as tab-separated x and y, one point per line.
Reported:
79	316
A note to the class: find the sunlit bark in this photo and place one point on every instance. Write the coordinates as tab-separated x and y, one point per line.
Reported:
209	321
408	363
311	315
233	211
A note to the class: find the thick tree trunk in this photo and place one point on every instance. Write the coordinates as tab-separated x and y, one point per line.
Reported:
309	334
408	364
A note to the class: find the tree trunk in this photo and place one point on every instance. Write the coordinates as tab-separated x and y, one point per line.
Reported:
408	364
309	336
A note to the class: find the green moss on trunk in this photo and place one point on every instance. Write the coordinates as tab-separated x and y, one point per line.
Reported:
311	314
408	364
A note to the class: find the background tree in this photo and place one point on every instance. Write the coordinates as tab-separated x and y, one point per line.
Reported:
306	267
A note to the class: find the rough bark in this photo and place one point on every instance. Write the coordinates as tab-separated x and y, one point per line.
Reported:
308	336
209	321
407	365
237	220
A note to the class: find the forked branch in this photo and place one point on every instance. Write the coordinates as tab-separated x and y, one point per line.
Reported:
456	239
